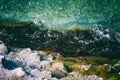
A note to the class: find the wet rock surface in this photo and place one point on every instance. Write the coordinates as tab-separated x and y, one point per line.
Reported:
97	41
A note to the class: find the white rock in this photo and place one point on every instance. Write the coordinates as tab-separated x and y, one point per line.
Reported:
58	66
45	64
99	78
18	72
29	57
2	74
1	66
3	48
49	58
86	67
1	57
43	74
75	74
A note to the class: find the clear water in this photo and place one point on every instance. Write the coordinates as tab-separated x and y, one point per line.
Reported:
77	17
62	14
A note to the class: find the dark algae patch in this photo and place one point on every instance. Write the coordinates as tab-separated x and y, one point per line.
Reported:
99	41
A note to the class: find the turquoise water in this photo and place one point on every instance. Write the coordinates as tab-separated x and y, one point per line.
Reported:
62	14
79	16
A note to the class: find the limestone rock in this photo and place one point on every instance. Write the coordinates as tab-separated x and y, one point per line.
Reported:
29	57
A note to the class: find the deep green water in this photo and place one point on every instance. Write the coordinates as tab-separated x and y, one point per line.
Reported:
62	14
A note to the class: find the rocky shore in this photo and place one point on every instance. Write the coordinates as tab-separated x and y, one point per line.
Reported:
27	64
97	41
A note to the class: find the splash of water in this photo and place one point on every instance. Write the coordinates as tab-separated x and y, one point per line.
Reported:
59	14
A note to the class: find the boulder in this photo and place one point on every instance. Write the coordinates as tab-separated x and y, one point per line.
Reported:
26	55
15	74
58	66
58	69
18	72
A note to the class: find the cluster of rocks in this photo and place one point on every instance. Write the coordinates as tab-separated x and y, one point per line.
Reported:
76	76
25	64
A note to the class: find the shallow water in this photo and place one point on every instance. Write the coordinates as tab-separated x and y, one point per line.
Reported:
70	27
62	14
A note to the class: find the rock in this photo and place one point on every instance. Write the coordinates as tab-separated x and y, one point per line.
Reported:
58	66
49	58
19	72
2	74
85	67
75	74
15	74
1	57
58	69
12	54
41	74
58	74
45	65
76	67
29	57
3	48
